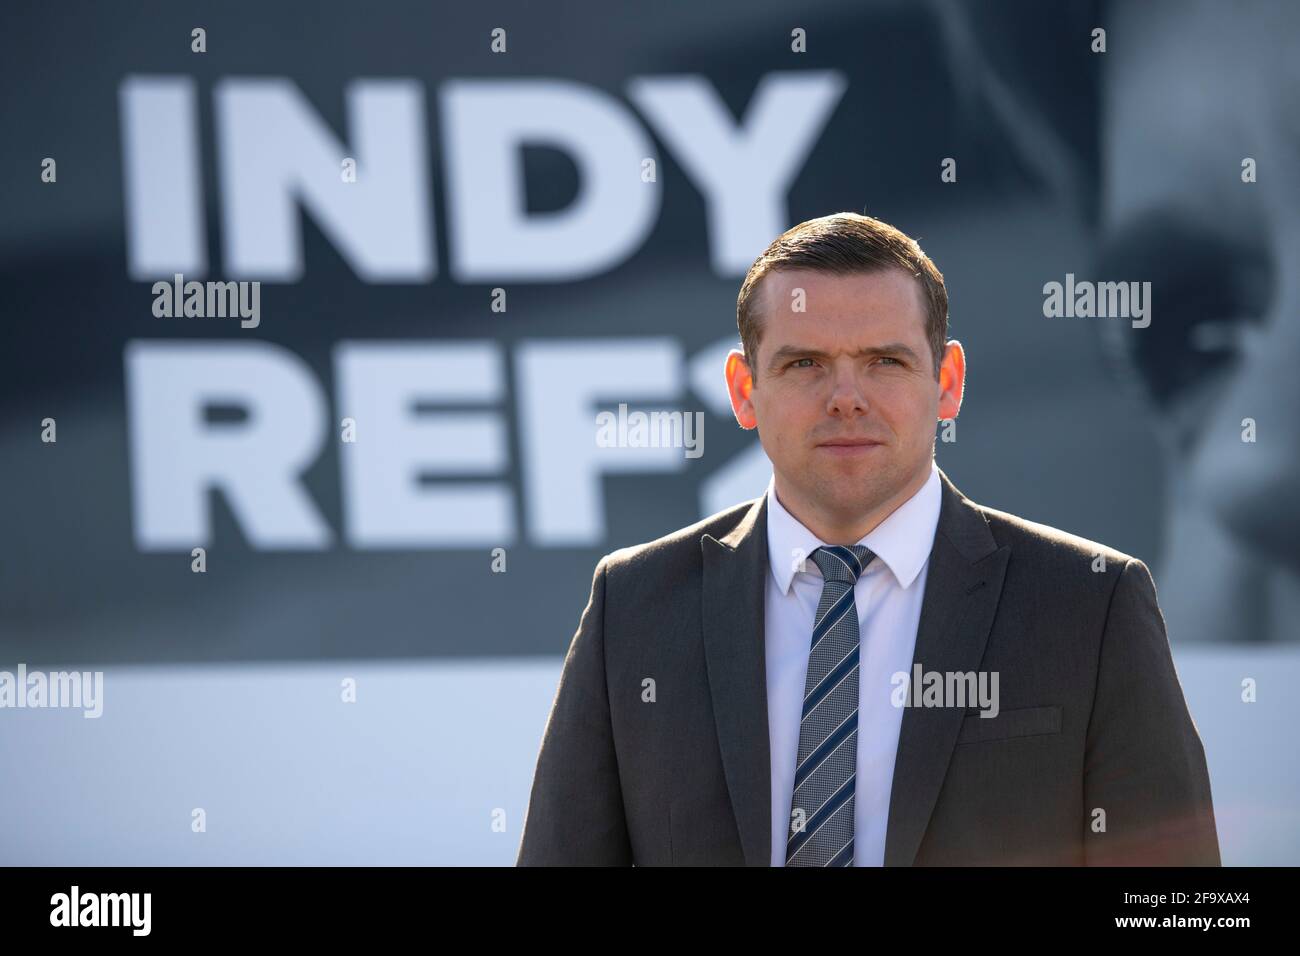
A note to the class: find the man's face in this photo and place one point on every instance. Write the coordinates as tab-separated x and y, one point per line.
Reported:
855	365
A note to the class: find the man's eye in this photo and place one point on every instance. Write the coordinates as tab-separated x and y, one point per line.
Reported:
795	363
890	358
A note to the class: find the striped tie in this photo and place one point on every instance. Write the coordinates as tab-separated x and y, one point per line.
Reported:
822	835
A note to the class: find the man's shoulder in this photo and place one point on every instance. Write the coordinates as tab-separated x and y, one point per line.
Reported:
1044	544
678	548
1045	548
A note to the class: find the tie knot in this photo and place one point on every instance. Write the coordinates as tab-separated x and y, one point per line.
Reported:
842	564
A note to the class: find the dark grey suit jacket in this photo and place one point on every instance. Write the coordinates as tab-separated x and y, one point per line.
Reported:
1092	713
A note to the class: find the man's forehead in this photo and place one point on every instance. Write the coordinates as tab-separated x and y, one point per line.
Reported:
878	277
847	300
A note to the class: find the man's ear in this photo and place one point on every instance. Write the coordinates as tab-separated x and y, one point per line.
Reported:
952	380
740	385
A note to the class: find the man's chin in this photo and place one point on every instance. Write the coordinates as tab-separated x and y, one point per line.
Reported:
855	467
846	485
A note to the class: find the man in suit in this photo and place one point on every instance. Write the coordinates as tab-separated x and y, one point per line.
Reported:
862	666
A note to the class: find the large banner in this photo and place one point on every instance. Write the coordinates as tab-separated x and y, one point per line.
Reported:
365	330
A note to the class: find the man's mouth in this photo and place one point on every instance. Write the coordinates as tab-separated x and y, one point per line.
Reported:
848	446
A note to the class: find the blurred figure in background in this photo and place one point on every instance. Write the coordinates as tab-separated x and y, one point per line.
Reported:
1195	99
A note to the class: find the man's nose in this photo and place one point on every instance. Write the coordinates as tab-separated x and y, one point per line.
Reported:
847	395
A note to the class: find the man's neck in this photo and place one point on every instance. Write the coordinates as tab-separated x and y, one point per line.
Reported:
846	530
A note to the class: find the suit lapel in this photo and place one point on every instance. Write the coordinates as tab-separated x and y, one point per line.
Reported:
963	584
734	588
966	569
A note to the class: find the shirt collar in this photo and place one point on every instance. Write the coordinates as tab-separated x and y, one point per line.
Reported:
902	541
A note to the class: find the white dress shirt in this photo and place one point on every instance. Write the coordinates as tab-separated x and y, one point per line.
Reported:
888	600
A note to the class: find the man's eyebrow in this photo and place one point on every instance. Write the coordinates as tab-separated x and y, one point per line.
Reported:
791	352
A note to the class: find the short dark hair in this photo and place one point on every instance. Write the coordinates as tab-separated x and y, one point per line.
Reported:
844	243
